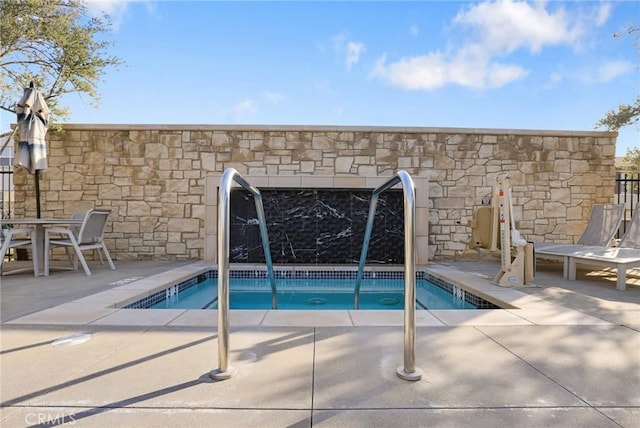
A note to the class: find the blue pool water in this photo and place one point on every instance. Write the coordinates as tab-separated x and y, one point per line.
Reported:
319	293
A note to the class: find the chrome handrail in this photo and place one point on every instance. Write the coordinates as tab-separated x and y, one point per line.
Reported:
409	370
230	175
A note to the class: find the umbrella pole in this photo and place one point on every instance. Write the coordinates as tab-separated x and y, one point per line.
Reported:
37	178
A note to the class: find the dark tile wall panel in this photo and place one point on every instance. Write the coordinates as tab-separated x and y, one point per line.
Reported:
319	226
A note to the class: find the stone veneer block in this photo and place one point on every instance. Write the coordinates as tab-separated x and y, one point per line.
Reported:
211	248
375	182
294	181
422	192
258	181
421	245
210	194
349	182
211	220
422	222
316	182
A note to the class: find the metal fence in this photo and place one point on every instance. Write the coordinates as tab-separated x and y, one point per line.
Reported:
628	193
6	196
6	188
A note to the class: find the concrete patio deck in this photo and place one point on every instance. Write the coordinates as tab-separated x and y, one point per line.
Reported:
568	355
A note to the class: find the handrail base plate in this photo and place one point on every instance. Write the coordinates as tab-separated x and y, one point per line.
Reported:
414	375
218	374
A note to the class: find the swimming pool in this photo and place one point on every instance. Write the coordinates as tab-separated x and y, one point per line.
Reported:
311	290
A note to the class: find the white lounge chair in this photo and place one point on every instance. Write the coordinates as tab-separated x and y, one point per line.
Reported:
604	221
626	255
631	237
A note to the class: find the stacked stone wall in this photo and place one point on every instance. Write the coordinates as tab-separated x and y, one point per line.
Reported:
154	178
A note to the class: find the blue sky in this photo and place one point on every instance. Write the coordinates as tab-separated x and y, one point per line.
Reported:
488	64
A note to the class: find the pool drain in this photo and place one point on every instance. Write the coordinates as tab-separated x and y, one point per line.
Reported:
316	301
389	301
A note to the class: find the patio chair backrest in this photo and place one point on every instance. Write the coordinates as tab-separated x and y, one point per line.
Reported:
631	237
92	229
603	224
75	228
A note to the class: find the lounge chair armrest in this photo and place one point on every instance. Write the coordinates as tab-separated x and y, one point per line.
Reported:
10	232
60	230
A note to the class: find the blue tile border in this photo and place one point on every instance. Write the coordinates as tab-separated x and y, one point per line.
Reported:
461	293
172	290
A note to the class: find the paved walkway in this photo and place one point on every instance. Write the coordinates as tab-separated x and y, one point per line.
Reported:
482	371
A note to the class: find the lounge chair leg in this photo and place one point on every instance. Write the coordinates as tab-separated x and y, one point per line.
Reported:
571	268
46	253
621	282
79	256
97	250
108	256
69	255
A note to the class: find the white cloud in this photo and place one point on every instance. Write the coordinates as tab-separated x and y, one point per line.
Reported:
273	97
244	107
602	72
339	40
354	50
503	26
499	75
554	79
497	29
418	72
602	14
434	70
612	69
116	9
348	49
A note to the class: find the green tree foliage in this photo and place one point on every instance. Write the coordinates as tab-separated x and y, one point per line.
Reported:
626	114
631	160
57	45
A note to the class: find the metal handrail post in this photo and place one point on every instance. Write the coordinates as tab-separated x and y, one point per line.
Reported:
365	247
409	371
224	370
262	222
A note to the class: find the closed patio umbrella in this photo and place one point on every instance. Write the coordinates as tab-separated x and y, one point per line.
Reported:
33	123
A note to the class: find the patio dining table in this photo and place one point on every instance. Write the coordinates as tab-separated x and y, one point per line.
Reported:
40	224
